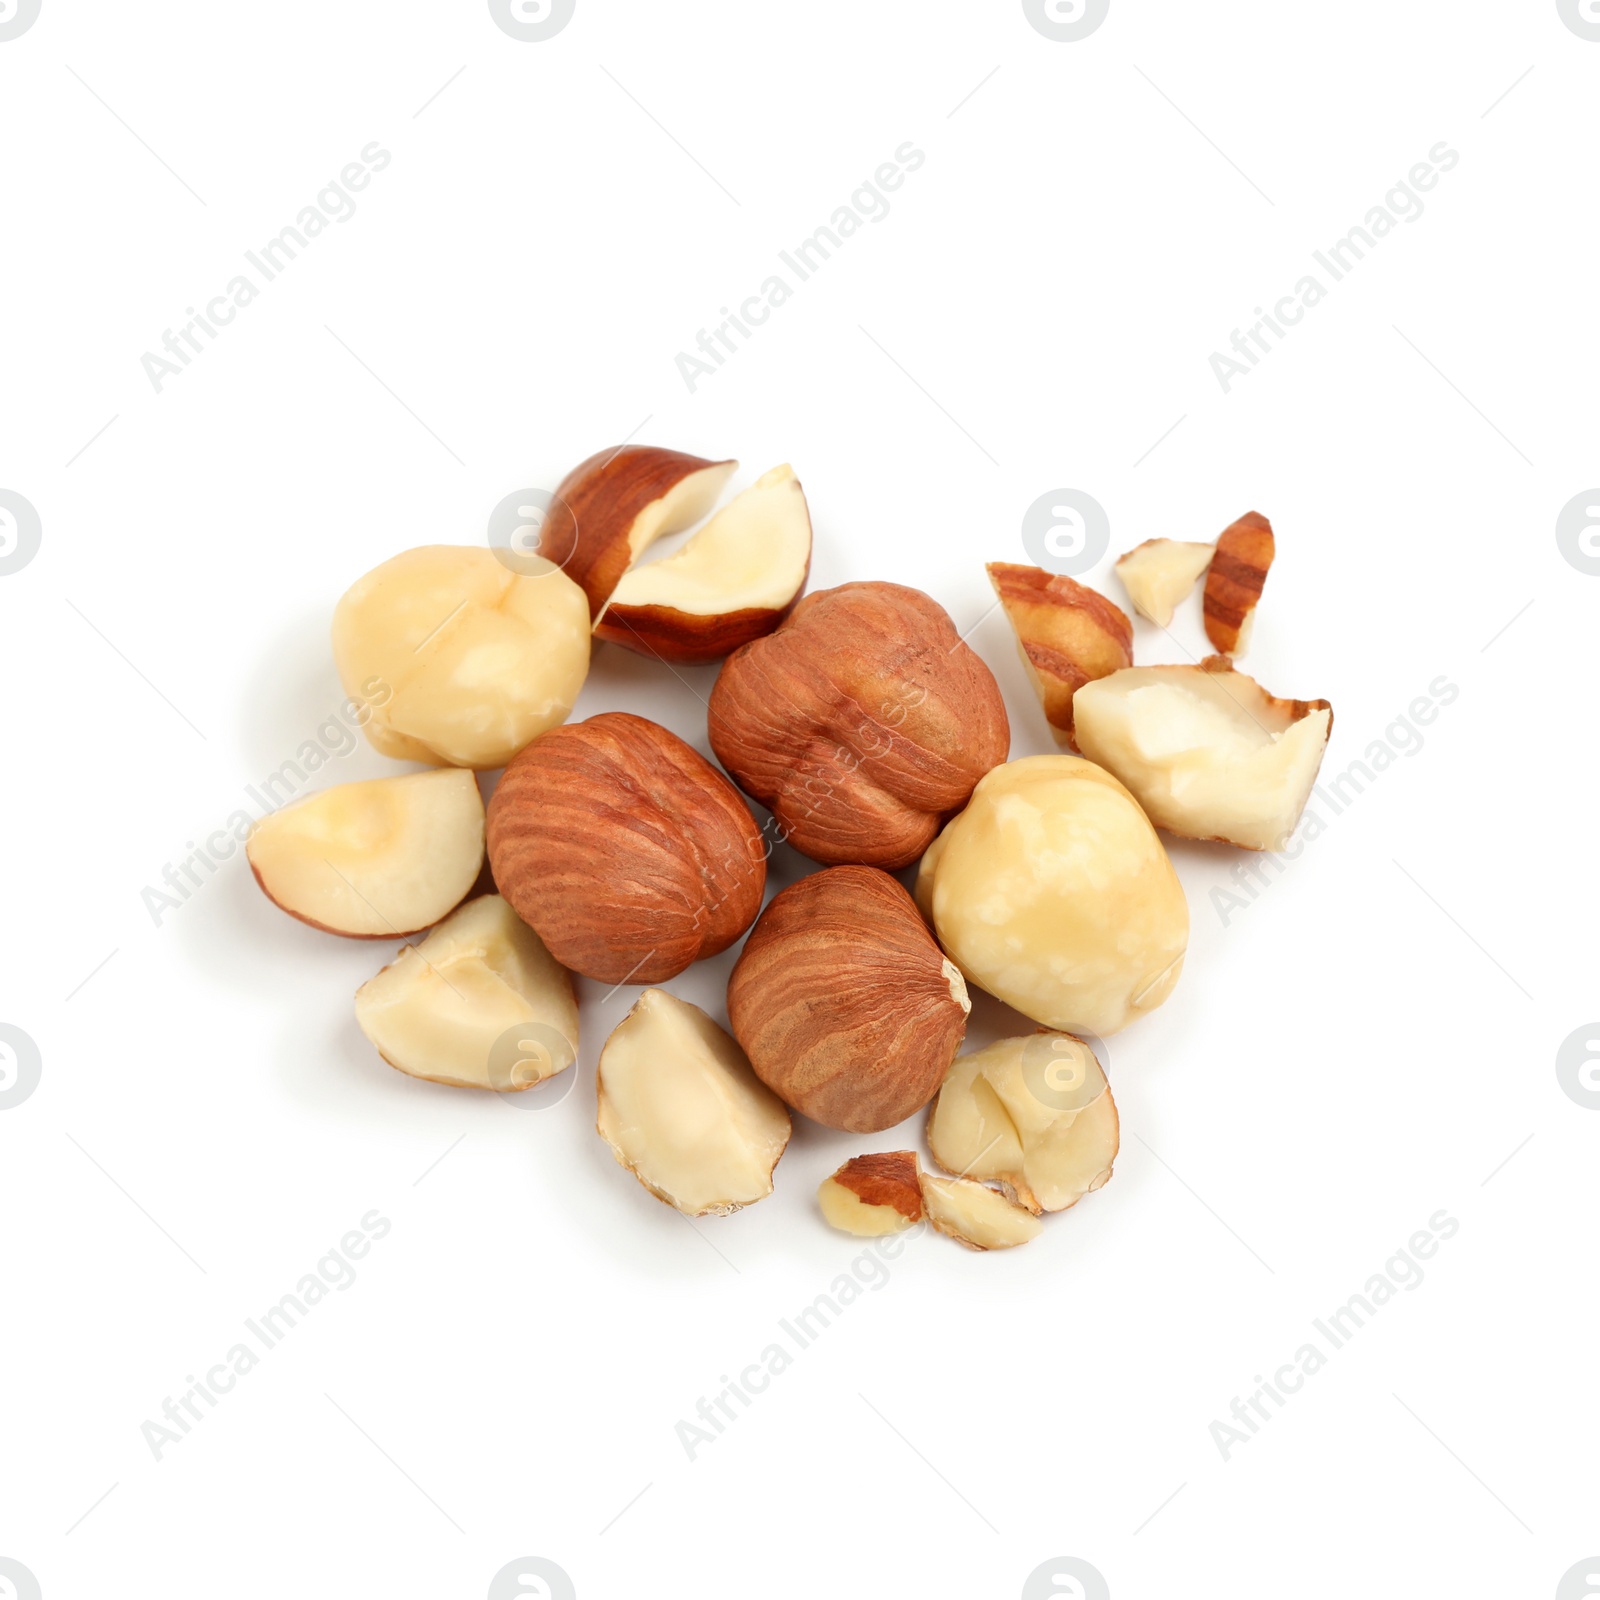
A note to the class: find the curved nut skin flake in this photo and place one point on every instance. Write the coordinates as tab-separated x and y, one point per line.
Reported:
1053	892
447	1009
1159	573
1033	1114
1067	633
860	723
734	581
610	508
976	1216
374	860
1233	582
847	1008
873	1195
1207	751
683	1112
477	659
624	849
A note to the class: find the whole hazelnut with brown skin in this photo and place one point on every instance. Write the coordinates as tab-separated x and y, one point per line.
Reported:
624	849
844	1004
861	723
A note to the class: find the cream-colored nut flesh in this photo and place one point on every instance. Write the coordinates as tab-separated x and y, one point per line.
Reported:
461	661
1033	1114
1053	892
683	1112
479	1003
872	1195
732	582
1160	572
1206	750
976	1216
374	860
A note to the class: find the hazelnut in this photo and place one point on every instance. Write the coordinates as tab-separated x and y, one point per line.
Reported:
870	1196
443	1009
846	1007
1034	1115
477	659
1160	572
975	1215
373	860
1067	634
1234	580
860	723
1206	750
624	849
609	509
734	581
1052	891
682	1111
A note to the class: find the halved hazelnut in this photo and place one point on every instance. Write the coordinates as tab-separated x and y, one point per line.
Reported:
1067	634
873	1195
454	1009
735	580
1053	892
860	723
683	1112
624	849
459	660
846	1007
1206	750
975	1215
1234	581
610	508
374	860
1160	572
1033	1114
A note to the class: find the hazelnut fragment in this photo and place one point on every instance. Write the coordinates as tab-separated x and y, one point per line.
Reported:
1159	573
873	1195
1233	583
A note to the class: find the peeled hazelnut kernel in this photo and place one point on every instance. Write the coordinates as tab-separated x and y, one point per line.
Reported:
734	581
1160	572
976	1216
1034	1115
859	723
448	1009
1066	632
609	509
624	849
683	1112
1234	581
477	659
374	860
846	1007
1207	751
1052	891
873	1195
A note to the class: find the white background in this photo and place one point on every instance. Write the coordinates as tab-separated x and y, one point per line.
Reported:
1372	1040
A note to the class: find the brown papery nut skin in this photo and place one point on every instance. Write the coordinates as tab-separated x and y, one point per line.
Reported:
844	1004
861	723
887	1178
595	504
1234	580
624	849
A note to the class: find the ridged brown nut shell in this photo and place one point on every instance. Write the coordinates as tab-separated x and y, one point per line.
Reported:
624	849
862	722
844	1004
